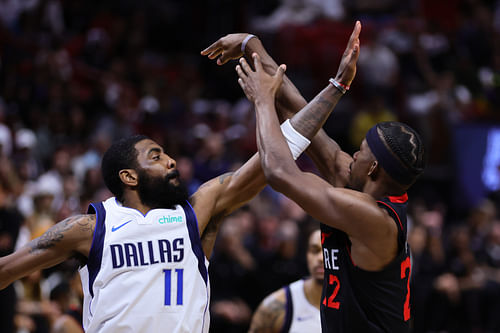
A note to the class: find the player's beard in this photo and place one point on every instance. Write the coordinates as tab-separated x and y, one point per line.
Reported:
159	192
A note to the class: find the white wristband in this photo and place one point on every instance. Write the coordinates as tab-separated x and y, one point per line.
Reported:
245	41
296	141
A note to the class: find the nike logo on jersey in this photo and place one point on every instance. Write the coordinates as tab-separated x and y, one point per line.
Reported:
116	227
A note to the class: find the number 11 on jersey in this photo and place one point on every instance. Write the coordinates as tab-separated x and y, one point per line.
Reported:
168	285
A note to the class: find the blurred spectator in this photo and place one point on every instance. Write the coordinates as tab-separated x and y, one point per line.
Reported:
299	12
10	222
232	271
211	159
69	304
43	216
374	111
186	171
35	311
378	68
28	165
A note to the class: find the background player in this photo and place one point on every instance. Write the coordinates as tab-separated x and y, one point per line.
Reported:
295	308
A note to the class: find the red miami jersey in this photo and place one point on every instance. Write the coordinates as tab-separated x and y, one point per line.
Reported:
356	300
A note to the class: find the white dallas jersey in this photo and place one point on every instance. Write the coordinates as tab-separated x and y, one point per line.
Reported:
301	316
145	273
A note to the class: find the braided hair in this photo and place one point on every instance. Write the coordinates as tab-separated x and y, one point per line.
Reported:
405	144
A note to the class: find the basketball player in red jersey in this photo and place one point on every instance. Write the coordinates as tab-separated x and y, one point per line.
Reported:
366	257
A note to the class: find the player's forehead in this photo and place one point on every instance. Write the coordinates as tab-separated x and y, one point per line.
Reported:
315	238
364	145
365	148
146	146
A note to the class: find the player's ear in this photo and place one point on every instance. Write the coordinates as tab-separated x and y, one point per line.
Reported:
129	177
373	171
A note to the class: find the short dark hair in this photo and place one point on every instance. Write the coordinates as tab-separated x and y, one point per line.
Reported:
121	155
406	144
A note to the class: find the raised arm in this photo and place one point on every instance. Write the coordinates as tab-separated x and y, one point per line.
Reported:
354	212
64	240
219	197
324	151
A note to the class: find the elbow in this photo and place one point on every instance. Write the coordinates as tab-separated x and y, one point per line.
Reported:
3	285
278	170
276	177
4	281
6	277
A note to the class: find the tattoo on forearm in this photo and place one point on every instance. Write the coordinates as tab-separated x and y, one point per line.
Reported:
312	117
54	235
325	103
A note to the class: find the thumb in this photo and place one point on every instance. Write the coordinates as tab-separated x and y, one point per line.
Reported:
222	59
256	62
280	71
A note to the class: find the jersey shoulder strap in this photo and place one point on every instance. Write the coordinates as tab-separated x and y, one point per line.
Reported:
288	311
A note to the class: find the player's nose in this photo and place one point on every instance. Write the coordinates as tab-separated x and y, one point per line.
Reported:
355	156
171	163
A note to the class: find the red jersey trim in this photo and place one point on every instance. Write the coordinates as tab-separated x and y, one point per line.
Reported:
401	199
400	224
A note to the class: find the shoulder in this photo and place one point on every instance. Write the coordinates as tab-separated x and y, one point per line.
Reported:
274	306
275	300
76	223
270	314
74	232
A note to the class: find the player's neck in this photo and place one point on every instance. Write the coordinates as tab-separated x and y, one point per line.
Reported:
132	200
376	189
313	289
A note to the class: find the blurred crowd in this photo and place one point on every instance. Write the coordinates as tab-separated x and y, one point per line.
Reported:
76	75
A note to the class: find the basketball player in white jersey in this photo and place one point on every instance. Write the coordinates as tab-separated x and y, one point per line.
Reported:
144	251
295	308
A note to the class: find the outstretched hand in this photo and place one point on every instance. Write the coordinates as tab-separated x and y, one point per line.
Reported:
347	67
226	48
258	85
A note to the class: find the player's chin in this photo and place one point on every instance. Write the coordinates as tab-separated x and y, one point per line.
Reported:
175	181
318	279
319	273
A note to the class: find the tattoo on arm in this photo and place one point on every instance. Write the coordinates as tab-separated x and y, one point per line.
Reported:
209	235
87	224
222	178
54	235
268	316
214	224
312	117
